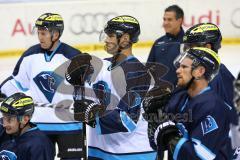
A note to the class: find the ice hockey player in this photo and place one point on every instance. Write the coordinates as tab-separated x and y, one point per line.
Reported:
196	123
120	133
27	141
34	74
209	35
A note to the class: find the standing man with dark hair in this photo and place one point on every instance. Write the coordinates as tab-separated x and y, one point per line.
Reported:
166	48
35	74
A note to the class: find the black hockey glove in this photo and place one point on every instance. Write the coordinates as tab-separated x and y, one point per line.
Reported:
79	69
167	136
155	100
86	111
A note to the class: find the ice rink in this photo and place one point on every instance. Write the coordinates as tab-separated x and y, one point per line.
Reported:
229	54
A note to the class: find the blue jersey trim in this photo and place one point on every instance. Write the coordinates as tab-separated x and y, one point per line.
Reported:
31	129
59	127
178	147
98	128
185	104
200	155
20	86
94	152
48	58
127	121
229	107
204	90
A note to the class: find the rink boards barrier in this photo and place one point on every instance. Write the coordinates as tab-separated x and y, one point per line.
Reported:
85	19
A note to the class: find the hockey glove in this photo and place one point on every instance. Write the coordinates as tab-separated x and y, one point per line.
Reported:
167	136
79	70
155	100
86	111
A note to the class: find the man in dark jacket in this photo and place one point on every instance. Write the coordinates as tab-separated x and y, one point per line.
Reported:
166	48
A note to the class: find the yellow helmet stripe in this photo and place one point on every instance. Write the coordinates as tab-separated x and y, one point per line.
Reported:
22	102
209	51
204	27
54	17
125	19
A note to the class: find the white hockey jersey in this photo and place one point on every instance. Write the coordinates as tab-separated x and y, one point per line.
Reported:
41	76
121	133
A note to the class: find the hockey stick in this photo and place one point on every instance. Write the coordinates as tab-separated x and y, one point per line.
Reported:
80	90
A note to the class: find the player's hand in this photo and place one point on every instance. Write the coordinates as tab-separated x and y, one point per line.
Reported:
156	99
87	110
167	135
79	69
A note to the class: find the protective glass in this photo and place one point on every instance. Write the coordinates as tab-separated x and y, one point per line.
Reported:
4	119
103	36
178	60
35	29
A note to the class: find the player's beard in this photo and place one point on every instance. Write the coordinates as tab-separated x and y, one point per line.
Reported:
111	48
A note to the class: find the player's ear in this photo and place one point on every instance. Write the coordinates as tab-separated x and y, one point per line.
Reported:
25	119
199	72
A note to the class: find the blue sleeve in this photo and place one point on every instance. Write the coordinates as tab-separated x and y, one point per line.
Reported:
206	139
222	84
125	116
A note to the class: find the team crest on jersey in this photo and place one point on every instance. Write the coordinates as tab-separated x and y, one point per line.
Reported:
48	83
7	155
103	92
208	125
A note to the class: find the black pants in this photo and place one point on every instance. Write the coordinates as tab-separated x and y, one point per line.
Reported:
69	145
